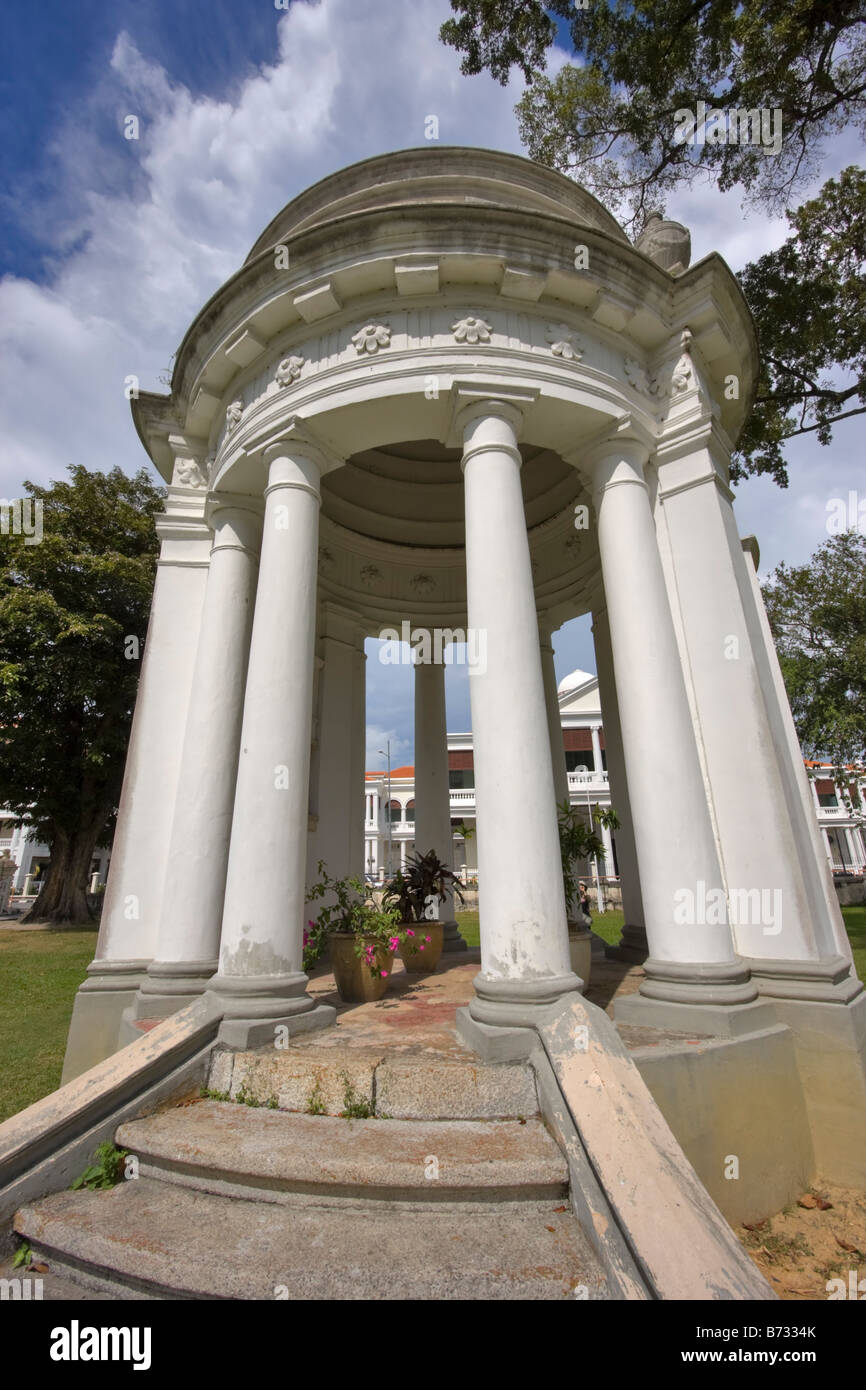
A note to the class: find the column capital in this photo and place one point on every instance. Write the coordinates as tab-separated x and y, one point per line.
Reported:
236	523
295	439
471	400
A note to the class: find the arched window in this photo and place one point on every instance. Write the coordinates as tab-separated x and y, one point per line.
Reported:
410	813
393	812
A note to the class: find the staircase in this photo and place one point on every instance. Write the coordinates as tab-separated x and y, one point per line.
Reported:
458	1191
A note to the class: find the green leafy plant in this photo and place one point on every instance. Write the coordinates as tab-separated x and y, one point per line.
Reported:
106	1171
316	1101
577	840
354	913
207	1094
355	1107
23	1255
425	876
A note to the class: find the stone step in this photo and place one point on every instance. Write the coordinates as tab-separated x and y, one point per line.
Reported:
238	1151
155	1239
420	1084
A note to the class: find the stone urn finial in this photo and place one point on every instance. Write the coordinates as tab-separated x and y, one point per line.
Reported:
667	243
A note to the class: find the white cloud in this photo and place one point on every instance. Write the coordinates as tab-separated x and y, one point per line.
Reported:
349	80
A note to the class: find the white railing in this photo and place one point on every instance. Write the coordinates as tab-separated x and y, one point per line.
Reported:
462	797
5	844
832	811
582	779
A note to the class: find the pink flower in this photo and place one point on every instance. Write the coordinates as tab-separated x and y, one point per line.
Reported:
409	931
394	943
426	938
384	973
421	948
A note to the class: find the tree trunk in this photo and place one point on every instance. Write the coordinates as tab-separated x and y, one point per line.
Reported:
63	897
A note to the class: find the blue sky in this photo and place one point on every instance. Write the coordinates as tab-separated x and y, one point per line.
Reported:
109	246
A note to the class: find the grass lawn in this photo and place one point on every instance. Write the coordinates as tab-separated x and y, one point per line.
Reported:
40	972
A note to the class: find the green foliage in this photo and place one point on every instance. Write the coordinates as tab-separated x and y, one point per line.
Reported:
106	1171
67	690
316	1101
813	365
609	120
425	876
207	1094
578	840
23	1255
817	615
354	913
355	1107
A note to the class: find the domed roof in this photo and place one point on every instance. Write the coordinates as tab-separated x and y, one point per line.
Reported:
573	681
450	174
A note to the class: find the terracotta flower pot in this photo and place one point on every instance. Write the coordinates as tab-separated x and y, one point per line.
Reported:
419	954
355	980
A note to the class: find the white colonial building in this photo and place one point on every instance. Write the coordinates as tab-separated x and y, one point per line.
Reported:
839	795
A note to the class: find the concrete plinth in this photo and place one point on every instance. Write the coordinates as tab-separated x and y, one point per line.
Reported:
97	1015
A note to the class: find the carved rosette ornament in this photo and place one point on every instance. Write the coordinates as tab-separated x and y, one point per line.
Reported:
422	584
372	337
564	342
372	577
471	329
233	415
188	474
289	370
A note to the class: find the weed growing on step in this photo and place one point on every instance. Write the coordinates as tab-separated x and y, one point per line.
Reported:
207	1094
106	1171
243	1097
316	1101
355	1107
23	1255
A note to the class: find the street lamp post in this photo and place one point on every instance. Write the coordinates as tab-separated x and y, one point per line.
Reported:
388	756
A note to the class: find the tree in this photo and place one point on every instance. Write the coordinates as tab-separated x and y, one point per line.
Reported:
613	122
817	616
803	355
73	610
612	118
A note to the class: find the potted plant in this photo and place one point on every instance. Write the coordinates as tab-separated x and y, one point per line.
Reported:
578	840
361	937
413	893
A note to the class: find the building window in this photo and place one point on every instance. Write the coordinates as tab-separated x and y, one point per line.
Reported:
410	813
827	799
461	778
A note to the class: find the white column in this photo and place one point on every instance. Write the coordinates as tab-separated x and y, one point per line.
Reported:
633	943
338	836
692	960
525	959
192	903
403	853
132	905
596	750
607	868
432	795
358	754
554	722
260	974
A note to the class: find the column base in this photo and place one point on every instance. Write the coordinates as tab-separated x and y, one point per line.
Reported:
170	985
452	940
717	999
632	947
515	1003
255	1006
832	981
580	951
94	1030
830	1041
494	1044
